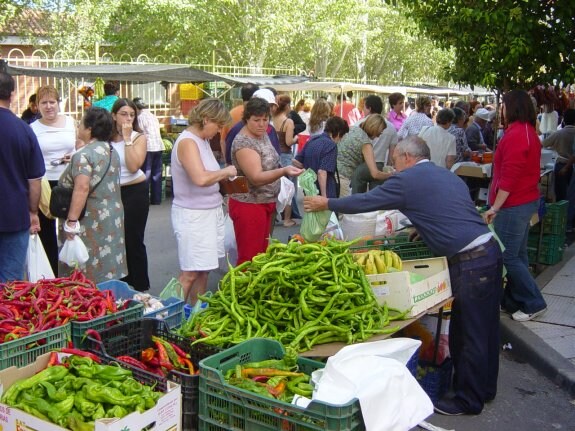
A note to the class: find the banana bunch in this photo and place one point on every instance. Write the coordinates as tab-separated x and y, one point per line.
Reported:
378	261
99	88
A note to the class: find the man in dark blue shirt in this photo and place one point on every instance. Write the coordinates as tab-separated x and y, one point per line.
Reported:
21	169
438	204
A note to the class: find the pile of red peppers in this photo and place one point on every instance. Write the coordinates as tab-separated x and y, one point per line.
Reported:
27	308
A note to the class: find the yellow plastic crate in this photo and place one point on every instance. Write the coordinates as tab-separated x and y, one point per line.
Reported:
191	91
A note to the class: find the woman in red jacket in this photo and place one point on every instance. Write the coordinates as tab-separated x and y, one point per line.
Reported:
514	198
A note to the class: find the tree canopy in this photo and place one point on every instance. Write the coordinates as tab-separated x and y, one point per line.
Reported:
502	43
369	40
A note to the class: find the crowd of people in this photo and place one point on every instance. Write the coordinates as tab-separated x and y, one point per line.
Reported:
364	159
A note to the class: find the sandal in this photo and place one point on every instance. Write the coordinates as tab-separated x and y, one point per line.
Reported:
289	223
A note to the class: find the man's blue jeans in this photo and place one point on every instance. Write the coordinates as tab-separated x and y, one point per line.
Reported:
13	249
512	226
153	170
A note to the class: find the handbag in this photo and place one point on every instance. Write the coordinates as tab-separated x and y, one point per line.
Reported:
61	197
229	186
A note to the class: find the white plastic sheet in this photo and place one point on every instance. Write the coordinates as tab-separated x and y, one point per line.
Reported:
375	373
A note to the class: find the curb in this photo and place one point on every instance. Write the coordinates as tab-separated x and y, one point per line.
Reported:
532	348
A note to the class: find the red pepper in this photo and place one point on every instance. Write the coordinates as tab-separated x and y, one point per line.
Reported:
163	356
79	352
53	359
132	361
189	365
148	354
94	334
179	350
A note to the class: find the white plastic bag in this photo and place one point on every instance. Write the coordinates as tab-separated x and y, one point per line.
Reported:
375	373
359	225
286	194
333	230
230	245
389	222
37	261
74	252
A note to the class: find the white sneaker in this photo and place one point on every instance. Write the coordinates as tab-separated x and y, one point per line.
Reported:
520	316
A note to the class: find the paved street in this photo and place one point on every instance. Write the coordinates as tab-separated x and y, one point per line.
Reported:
526	400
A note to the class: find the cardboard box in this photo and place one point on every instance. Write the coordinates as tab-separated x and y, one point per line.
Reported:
165	416
396	289
472	171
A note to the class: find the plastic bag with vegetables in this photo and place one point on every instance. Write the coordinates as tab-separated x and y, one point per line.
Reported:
314	223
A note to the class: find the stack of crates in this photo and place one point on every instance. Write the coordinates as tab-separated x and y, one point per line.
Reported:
547	247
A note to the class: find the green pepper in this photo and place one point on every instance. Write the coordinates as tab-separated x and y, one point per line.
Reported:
99	413
112	372
80	382
169	350
76	422
250	385
131	386
116	412
51	374
54	394
84	406
102	394
31	410
86	367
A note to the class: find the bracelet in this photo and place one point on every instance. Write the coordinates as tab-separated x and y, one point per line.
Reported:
75	229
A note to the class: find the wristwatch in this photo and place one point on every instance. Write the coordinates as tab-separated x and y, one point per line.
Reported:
128	143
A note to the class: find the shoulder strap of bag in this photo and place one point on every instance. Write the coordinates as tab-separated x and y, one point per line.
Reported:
106	172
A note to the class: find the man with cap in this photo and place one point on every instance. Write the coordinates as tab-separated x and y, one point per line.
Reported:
150	125
269	97
474	130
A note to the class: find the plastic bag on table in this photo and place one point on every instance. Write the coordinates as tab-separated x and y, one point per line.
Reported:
74	252
314	223
37	261
172	290
287	191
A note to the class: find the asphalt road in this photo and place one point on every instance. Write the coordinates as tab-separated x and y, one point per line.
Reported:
526	400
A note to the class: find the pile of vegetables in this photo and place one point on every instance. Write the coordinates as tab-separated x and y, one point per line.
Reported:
78	391
161	359
273	378
27	308
299	294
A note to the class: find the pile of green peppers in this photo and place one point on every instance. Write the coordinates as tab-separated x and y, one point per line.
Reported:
80	391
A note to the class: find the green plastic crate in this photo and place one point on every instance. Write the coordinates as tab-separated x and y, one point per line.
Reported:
552	248
555	219
134	311
400	244
225	407
25	350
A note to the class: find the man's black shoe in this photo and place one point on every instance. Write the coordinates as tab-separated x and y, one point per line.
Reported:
449	407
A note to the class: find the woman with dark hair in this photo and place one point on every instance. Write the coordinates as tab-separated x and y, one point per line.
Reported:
131	146
457	130
514	198
254	157
417	120
396	116
94	175
197	214
320	154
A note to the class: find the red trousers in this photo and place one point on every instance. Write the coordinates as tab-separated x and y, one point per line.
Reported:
252	224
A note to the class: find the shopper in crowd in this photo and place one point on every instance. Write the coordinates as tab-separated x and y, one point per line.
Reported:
56	135
256	159
31	113
463	152
319	114
450	226
562	142
382	148
346	110
269	97
356	148
130	144
150	125
111	91
514	198
474	130
94	174
236	113
320	155
417	120
440	142
284	127
305	113
21	169
197	214
396	116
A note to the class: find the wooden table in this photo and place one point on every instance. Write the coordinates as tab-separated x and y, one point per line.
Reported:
330	349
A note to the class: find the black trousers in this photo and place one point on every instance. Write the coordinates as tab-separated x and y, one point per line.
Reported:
153	170
561	181
49	237
476	281
136	207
